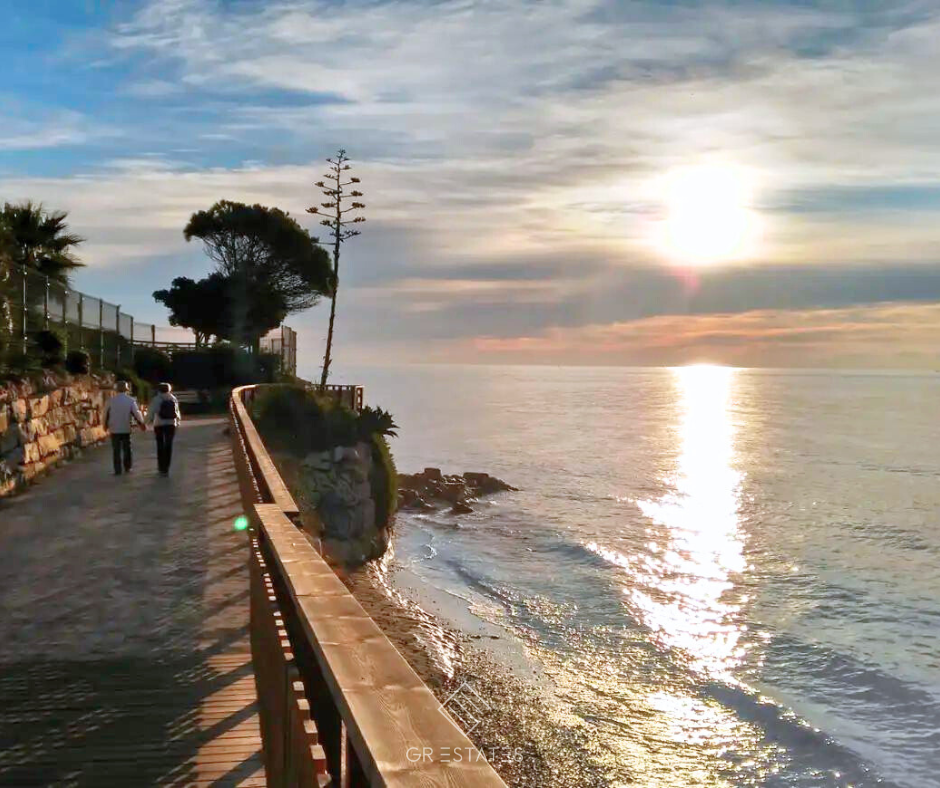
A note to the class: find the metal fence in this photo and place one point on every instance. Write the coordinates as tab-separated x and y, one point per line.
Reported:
283	342
31	302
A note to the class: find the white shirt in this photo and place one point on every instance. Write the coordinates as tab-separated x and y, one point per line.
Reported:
118	413
153	412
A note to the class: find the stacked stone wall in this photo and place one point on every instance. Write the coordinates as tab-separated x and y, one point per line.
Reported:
44	423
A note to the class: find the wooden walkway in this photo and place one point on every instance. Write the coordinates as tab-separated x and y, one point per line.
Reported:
124	653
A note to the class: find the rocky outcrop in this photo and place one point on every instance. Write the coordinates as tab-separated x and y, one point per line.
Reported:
46	422
431	489
338	484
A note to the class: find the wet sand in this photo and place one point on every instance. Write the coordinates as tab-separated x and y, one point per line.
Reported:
517	731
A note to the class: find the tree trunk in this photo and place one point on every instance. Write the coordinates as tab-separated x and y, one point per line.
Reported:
337	230
329	333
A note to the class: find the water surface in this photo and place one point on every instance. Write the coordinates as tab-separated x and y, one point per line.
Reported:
728	577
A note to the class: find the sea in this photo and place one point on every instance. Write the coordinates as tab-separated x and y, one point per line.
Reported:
725	577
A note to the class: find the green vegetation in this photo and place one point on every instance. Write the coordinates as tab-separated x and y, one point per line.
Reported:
152	365
298	421
385	482
39	239
77	362
31	237
213	371
21	365
267	266
50	343
201	306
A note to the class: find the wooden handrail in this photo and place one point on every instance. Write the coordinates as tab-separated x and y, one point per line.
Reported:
270	483
376	721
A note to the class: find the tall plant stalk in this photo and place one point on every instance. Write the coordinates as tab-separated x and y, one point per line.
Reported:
336	212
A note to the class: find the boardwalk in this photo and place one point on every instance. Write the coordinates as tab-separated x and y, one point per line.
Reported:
124	654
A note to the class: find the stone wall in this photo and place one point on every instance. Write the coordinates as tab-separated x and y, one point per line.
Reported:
338	484
46	422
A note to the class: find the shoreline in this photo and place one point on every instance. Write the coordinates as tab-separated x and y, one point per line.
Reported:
516	730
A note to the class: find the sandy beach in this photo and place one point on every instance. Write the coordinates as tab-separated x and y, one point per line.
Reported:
517	731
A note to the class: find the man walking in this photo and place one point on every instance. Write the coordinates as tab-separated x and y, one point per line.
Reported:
119	411
164	413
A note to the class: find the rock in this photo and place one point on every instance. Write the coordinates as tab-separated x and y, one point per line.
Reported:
19	409
31	453
27	432
48	444
461	507
420	491
318	460
9	439
485	484
39	406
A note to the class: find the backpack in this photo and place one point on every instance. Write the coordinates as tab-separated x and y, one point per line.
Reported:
167	410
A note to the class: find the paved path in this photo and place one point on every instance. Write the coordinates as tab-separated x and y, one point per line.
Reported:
124	655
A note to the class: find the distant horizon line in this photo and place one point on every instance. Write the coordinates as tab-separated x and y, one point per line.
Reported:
882	370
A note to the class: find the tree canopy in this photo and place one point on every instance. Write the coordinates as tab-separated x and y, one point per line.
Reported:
266	251
224	307
200	306
39	239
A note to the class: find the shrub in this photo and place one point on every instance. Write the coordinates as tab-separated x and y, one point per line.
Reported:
301	421
375	421
307	421
77	362
50	343
221	365
268	366
151	364
384	482
21	364
298	421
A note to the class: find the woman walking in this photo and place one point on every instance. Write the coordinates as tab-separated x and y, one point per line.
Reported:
164	414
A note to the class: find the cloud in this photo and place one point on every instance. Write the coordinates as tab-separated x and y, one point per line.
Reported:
564	142
34	129
513	152
884	336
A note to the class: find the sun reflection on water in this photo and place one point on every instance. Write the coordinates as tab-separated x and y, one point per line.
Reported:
696	547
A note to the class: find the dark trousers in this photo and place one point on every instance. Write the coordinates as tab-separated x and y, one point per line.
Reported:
164	436
121	444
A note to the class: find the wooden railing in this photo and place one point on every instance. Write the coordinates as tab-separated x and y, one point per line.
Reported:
351	396
337	701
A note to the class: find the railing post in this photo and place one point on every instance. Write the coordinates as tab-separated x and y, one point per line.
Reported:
100	334
45	304
153	334
81	321
65	317
132	340
117	336
25	309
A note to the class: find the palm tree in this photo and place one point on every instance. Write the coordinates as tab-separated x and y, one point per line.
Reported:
40	240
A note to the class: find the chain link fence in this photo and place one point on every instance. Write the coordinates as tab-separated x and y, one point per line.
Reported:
31	302
282	342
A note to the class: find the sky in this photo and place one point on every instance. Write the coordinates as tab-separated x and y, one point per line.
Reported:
541	176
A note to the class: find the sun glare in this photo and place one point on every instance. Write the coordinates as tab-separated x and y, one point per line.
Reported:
708	215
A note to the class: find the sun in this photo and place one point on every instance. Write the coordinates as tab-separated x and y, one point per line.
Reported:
708	216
